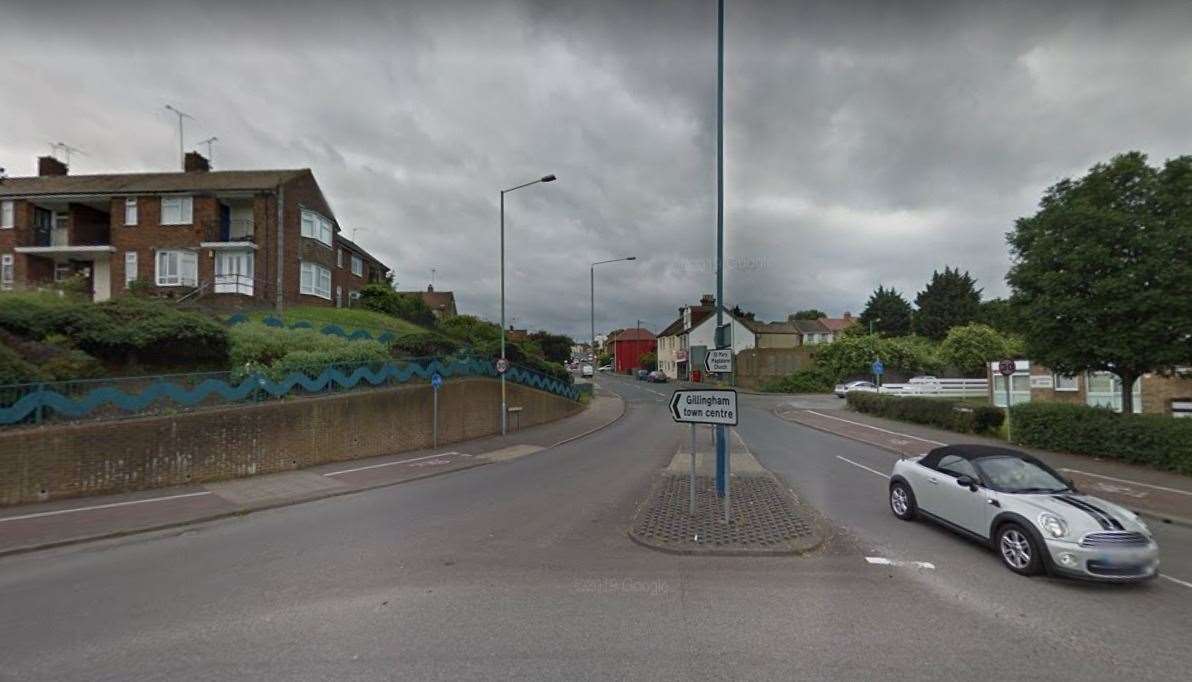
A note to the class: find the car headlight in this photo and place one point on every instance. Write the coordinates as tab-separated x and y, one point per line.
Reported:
1053	525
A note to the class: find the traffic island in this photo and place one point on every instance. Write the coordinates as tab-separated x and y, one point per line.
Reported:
764	519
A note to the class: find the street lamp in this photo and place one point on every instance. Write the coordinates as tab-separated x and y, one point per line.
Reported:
545	178
876	319
592	281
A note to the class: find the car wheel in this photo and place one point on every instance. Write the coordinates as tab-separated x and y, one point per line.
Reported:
1018	550
902	501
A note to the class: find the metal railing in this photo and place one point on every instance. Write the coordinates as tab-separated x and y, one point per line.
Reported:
941	388
237	230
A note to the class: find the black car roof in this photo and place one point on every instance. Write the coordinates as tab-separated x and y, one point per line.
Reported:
972	451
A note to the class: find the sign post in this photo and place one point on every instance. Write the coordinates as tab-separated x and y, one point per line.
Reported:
691	479
717	407
719	361
878	369
1007	368
436	382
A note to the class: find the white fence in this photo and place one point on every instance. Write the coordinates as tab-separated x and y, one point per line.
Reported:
943	388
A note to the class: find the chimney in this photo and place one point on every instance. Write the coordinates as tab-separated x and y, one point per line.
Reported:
430	288
848	315
48	165
707	300
196	163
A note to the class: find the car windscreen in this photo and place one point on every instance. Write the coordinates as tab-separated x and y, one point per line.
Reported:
1015	475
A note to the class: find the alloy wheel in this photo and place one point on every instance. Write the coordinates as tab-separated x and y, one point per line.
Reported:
898	501
1016	550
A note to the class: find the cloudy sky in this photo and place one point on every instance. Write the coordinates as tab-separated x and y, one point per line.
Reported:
865	143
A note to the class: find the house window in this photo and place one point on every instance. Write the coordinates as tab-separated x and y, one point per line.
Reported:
1063	383
6	272
315	280
357	265
130	267
177	210
7	218
339	258
62	272
177	268
317	227
130	211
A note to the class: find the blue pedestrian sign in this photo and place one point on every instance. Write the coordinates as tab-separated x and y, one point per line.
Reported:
436	381
878	367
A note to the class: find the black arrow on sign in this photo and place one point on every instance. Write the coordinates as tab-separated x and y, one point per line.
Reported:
675	405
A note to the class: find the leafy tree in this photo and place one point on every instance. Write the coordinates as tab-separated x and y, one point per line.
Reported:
951	299
383	299
852	356
555	347
648	361
740	312
888	311
810	314
1103	271
999	314
970	348
470	329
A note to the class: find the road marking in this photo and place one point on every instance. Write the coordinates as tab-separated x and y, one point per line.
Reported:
869	426
389	464
1175	580
1124	480
656	392
103	506
862	466
883	561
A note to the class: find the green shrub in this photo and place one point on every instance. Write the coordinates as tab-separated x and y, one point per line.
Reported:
852	356
470	329
801	381
31	315
382	299
1155	440
54	358
423	344
255	345
945	414
14	369
131	330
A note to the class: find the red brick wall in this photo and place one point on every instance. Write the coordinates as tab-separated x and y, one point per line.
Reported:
44	463
303	192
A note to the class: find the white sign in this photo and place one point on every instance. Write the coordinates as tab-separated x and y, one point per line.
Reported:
719	361
705	407
1042	381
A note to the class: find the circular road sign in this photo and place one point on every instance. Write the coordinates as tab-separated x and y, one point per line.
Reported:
878	367
502	366
1007	367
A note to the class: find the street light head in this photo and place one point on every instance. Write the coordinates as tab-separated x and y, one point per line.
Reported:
548	178
631	258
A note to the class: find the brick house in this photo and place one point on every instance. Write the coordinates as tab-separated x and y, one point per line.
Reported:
441	303
186	235
1153	393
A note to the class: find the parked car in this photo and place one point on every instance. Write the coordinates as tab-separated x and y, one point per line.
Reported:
1021	508
643	375
921	384
865	386
606	368
585	371
657	377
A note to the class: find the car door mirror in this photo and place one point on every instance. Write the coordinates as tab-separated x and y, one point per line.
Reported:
967	482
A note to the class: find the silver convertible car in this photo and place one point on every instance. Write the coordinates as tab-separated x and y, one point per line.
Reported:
1031	516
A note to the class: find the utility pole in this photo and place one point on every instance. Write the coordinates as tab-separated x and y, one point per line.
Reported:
181	153
722	466
210	150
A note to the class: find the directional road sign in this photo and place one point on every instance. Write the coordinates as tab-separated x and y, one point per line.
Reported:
436	381
718	361
878	367
717	406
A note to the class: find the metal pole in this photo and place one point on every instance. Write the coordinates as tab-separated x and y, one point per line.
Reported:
434	443
691	478
504	413
721	446
592	283
728	482
1009	439
181	154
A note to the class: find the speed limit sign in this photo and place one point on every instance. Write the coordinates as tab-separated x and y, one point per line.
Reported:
502	366
1007	367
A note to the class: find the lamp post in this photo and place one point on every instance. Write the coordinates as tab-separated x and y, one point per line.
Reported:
876	319
592	281
504	410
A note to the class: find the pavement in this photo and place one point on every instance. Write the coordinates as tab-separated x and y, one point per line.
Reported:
522	570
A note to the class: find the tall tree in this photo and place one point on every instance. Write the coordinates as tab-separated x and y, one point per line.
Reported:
810	314
951	299
555	347
888	311
999	314
1103	271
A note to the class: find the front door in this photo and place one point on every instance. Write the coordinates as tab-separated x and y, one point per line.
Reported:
234	272
956	503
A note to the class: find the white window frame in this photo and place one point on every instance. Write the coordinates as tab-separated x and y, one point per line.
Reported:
130	268
184	206
339	258
1065	383
357	265
314	280
181	272
317	226
130	211
6	272
8	213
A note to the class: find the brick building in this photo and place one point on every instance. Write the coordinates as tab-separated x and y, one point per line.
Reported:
628	346
194	234
1153	393
441	303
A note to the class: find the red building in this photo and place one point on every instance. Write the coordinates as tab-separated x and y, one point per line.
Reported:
628	346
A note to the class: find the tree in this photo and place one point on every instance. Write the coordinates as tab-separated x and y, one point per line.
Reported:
1102	273
888	311
853	356
950	300
648	361
382	299
740	312
999	314
555	347
971	347
809	314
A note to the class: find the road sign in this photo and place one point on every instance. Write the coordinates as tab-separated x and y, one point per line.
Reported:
878	367
1007	367
502	366
718	406
436	381
719	361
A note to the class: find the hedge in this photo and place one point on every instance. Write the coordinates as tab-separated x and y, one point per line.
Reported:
946	414
801	381
1155	440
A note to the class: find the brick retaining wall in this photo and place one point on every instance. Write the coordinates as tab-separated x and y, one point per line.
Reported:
46	463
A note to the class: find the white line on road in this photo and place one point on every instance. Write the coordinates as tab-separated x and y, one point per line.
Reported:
883	561
389	464
1125	480
868	426
1175	580
102	506
862	466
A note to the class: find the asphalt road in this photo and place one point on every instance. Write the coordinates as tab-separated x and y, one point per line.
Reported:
523	570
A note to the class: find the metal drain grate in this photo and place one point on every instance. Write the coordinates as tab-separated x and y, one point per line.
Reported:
762	516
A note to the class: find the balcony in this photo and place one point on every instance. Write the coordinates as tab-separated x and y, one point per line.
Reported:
229	233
